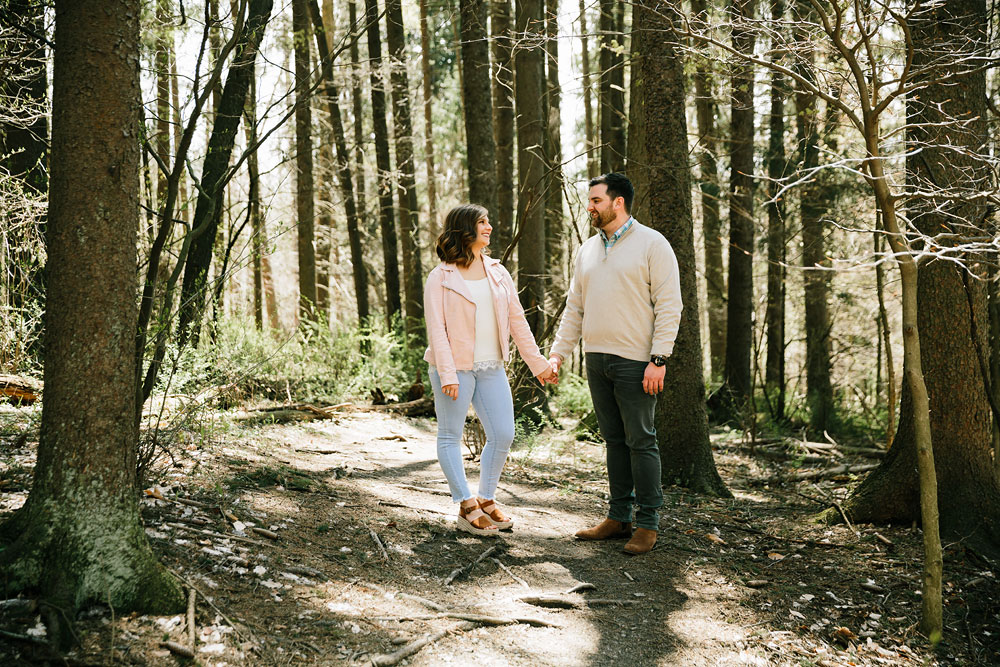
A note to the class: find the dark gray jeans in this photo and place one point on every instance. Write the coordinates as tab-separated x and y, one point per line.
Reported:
625	416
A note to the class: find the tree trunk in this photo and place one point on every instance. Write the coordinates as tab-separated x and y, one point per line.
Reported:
774	375
555	229
79	538
477	104
332	96
304	190
208	210
383	163
258	239
503	128
361	207
590	137
612	90
409	230
529	90
681	419
739	324
711	193
425	69
951	304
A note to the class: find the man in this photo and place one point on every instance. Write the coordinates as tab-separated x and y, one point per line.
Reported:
625	300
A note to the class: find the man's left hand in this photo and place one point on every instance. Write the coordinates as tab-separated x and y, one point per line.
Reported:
652	380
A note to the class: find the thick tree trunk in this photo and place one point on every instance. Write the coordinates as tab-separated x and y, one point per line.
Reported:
425	69
304	190
681	419
477	102
360	189
774	375
739	322
529	88
387	223
711	192
79	538
503	128
947	122
409	230
208	211
343	165
612	86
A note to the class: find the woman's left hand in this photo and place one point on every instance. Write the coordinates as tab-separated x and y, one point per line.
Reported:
549	376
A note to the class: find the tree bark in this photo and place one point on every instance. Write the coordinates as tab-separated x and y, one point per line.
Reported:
590	137
79	538
305	207
208	210
947	121
529	90
612	86
681	419
503	128
409	230
477	102
383	162
739	322
774	374
555	229
711	193
361	205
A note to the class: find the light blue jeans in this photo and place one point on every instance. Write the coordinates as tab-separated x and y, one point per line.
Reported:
489	392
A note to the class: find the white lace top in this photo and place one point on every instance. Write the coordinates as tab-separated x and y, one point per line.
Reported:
487	348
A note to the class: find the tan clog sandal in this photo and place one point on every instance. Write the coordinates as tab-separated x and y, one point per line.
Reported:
495	516
467	519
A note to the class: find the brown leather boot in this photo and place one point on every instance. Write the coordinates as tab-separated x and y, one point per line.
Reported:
642	542
609	529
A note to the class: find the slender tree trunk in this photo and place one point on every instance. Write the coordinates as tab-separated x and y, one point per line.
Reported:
220	147
739	324
503	127
332	96
182	210
409	230
529	90
775	317
258	240
612	91
304	184
79	538
590	137
428	90
360	141
477	103
711	193
384	165
327	194
681	419
555	228
883	328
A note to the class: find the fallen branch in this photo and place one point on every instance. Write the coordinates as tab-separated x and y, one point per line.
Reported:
389	659
424	601
512	575
20	389
220	536
306	572
418	408
265	532
192	596
583	586
817	474
378	543
468	568
386	503
178	649
564	602
424	489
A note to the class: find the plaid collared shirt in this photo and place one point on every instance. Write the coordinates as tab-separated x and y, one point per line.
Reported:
609	242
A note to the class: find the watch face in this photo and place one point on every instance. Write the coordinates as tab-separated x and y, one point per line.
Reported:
659	360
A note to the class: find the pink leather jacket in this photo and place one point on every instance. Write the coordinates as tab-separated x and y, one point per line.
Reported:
451	321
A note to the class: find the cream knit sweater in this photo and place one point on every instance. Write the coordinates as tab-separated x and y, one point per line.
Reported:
626	301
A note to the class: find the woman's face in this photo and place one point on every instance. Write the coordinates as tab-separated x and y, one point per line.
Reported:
483	231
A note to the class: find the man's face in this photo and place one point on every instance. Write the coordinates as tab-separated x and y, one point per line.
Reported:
601	207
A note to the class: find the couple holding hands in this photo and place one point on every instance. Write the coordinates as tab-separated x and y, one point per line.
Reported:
624	300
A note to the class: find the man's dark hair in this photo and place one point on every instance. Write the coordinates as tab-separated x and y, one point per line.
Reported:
618	186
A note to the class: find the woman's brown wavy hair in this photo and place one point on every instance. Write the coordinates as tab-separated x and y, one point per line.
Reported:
454	246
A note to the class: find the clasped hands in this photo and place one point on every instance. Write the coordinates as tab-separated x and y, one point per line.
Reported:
550	376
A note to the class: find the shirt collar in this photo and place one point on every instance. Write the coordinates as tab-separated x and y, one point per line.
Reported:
618	234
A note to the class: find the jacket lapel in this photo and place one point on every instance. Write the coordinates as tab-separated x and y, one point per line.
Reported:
453	280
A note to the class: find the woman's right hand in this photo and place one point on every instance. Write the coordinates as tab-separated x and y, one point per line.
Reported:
450	390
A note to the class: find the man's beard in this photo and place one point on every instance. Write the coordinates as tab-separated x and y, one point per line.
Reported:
603	219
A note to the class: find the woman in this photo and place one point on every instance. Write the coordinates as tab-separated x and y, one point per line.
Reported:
472	310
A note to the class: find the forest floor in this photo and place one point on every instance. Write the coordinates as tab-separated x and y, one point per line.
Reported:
358	559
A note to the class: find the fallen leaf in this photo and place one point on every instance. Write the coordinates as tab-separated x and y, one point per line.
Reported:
712	537
774	555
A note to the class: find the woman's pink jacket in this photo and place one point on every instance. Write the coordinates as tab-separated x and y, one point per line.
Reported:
451	321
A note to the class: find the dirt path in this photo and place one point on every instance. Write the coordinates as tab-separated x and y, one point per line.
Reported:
323	591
